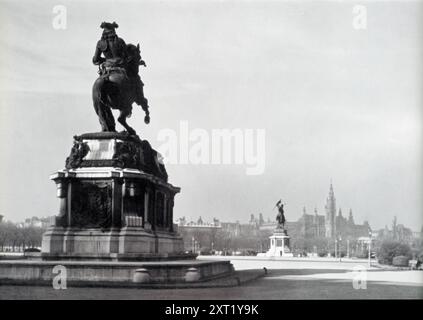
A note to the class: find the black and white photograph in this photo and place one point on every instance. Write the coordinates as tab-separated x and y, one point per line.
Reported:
220	152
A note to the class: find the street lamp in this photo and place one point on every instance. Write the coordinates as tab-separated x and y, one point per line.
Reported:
370	248
340	251
348	248
336	245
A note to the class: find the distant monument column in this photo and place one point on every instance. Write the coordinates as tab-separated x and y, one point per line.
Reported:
279	240
279	244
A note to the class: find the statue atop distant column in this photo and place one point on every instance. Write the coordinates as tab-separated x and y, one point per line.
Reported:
280	218
279	240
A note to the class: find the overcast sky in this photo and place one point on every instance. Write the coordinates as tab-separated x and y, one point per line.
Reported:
336	103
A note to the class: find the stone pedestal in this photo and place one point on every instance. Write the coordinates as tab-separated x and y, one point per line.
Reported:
115	222
279	244
115	203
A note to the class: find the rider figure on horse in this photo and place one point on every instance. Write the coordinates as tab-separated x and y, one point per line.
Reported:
114	50
280	218
112	47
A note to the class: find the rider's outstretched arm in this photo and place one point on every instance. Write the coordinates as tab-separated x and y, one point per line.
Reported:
97	58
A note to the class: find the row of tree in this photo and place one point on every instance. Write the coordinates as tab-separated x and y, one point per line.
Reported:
15	238
224	240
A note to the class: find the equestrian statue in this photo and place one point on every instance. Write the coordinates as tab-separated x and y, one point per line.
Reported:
280	218
118	85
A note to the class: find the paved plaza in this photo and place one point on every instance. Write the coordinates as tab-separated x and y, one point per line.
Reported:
285	279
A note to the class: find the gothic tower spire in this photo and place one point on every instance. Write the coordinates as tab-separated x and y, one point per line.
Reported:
350	217
330	208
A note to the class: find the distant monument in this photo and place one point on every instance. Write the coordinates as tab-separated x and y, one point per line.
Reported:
115	222
280	218
279	240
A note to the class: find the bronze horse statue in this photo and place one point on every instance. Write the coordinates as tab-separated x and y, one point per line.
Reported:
115	88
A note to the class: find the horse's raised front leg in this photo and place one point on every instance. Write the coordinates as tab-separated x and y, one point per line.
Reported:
122	120
140	99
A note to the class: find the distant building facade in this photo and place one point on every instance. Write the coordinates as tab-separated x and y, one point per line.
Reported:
330	225
198	235
310	226
35	222
398	232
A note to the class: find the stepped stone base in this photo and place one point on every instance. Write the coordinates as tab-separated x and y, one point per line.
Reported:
97	273
279	244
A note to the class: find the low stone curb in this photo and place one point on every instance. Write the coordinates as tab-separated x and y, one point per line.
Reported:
236	278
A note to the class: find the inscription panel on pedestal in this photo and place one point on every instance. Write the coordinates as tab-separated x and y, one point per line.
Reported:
100	149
